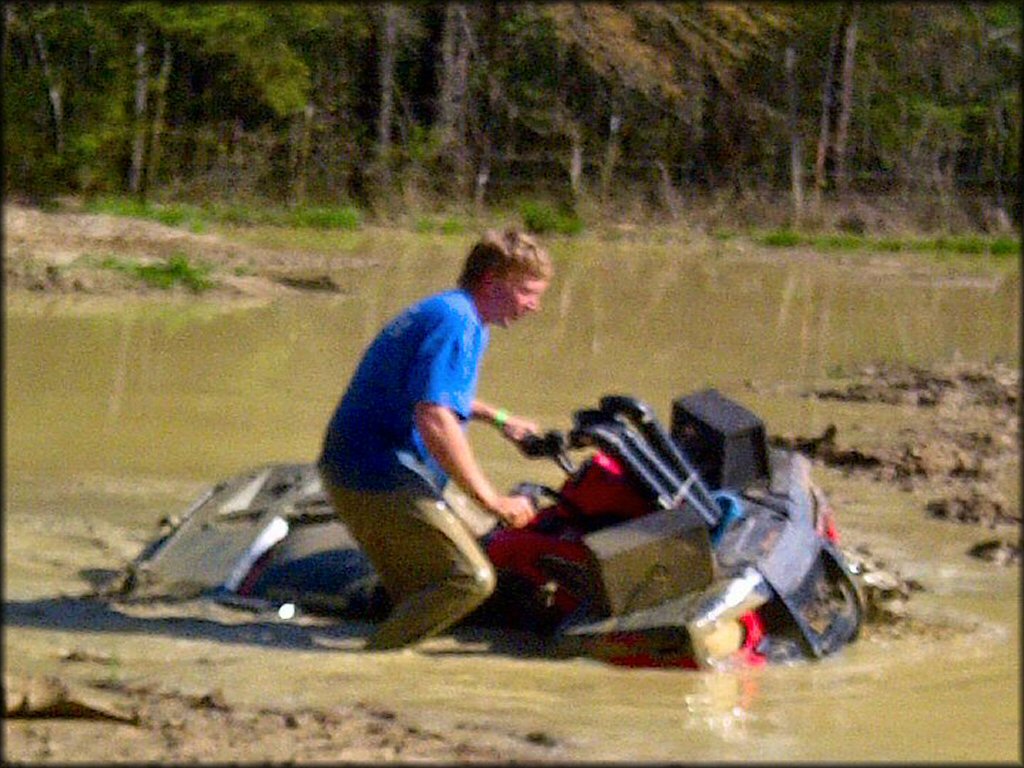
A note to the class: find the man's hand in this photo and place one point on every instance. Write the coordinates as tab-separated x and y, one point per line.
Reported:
517	427
514	511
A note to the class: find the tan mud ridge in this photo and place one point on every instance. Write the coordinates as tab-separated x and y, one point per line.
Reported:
51	721
56	253
966	438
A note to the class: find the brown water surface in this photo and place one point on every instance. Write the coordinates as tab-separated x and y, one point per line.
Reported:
119	413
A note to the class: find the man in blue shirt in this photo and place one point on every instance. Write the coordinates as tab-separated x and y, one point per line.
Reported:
398	436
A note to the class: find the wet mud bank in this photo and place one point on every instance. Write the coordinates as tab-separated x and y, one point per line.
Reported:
68	253
960	449
53	721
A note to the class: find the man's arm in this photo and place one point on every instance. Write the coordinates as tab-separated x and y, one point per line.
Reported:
515	428
447	442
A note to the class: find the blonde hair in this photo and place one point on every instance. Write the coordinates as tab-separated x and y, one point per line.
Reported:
507	253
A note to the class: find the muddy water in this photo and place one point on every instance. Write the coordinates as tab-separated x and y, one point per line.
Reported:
116	414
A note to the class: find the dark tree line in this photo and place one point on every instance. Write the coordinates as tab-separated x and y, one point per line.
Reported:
479	101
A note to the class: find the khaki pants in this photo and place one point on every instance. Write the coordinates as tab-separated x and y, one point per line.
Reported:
430	564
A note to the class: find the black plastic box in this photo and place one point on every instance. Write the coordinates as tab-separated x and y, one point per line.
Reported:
725	442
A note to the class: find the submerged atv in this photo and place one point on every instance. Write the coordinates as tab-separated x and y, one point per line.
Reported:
685	548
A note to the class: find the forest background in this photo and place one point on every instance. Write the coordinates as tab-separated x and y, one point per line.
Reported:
860	117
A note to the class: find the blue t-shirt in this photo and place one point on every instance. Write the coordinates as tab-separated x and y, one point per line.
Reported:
429	353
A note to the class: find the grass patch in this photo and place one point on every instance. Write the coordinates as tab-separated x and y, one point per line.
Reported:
1005	246
177	270
426	225
346	218
302	217
841	242
890	245
543	219
962	245
452	227
197	218
978	245
173	215
783	238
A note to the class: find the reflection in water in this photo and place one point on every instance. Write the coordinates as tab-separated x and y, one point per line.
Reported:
120	371
722	703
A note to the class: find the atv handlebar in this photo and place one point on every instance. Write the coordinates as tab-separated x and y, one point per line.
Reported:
553	444
550	444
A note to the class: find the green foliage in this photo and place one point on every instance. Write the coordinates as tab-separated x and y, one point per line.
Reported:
542	219
197	218
1005	246
890	244
970	245
346	218
976	245
240	215
448	226
175	271
696	90
452	227
256	39
173	215
840	242
424	145
782	238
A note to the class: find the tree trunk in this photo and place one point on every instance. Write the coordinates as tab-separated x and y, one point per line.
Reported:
483	174
576	166
55	93
386	76
796	160
8	23
669	196
1002	133
491	46
301	171
453	88
846	100
611	155
159	109
825	128
141	92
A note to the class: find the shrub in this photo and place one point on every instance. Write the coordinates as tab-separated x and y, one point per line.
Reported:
449	226
173	215
164	275
347	218
452	227
1005	246
782	238
542	219
843	242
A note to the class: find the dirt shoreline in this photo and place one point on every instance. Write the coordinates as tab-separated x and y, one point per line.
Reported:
61	253
51	721
958	456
